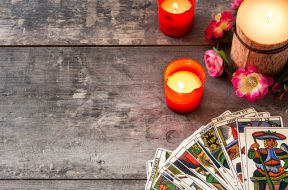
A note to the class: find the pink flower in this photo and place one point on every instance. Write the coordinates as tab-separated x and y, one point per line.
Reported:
236	4
214	63
222	22
251	85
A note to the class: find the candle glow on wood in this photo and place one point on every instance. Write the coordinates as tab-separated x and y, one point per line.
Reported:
184	82
264	21
176	6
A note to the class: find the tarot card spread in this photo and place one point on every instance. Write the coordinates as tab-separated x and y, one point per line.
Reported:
215	156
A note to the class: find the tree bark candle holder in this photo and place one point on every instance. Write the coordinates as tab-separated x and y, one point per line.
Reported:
261	36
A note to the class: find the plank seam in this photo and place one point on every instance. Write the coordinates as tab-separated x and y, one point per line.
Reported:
105	46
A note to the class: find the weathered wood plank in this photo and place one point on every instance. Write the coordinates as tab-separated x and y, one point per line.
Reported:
97	112
71	184
93	22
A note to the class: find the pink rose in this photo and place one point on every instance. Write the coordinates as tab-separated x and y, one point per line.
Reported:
214	63
250	85
236	4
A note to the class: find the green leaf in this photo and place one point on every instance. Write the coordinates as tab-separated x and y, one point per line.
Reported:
285	87
222	54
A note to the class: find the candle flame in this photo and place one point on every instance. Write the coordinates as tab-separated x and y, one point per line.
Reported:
175	7
269	16
180	85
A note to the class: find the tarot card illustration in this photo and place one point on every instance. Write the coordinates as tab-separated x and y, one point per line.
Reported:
267	158
210	142
227	134
192	167
164	182
209	164
191	182
242	123
160	157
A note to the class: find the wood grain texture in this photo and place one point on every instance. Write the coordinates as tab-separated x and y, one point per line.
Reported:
94	22
97	112
71	184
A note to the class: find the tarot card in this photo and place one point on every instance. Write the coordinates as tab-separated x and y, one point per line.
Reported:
193	172
160	157
165	181
210	164
234	114
227	134
208	140
263	114
267	158
149	164
190	166
191	182
242	123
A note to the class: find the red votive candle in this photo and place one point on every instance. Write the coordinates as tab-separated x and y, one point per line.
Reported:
175	16
184	84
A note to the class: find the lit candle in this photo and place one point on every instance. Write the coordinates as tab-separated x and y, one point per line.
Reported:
184	85
175	16
261	37
176	6
264	21
184	82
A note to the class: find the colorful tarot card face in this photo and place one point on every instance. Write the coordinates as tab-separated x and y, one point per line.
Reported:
160	157
208	140
149	164
188	182
267	158
242	123
227	134
191	167
209	163
165	182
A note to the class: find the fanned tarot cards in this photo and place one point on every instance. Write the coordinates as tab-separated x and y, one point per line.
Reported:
242	150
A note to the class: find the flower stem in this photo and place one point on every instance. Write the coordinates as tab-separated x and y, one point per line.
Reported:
228	72
218	44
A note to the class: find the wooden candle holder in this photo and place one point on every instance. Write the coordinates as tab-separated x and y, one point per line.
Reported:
269	59
261	36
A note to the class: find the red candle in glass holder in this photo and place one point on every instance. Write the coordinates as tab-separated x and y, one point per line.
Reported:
184	85
175	16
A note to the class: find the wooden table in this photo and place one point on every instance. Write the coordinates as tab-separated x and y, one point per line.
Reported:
81	88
